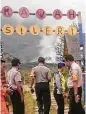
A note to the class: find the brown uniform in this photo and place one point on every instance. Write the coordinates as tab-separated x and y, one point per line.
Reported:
42	77
75	74
18	105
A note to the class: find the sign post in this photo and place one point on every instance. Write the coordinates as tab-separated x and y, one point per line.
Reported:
82	45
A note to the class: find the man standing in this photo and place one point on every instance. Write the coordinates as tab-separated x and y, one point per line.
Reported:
41	75
75	86
14	80
59	88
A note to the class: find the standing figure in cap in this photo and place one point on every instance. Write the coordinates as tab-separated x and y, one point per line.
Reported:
59	87
15	85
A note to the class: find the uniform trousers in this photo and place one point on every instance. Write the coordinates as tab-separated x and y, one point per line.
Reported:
60	102
18	105
43	97
75	108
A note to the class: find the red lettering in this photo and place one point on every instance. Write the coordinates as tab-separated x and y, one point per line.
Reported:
7	12
41	14
71	14
57	14
24	12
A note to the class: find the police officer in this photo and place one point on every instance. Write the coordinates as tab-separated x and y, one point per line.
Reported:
16	94
42	75
75	86
59	87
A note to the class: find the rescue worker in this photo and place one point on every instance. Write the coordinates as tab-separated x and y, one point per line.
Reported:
15	85
42	76
75	86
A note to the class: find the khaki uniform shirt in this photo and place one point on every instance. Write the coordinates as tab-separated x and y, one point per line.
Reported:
13	76
41	73
75	73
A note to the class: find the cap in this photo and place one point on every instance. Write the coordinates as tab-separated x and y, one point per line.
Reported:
61	64
15	61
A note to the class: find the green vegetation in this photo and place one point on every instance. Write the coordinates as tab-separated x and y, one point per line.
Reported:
29	103
53	110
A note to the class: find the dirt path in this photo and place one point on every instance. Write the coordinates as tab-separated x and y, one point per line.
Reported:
26	88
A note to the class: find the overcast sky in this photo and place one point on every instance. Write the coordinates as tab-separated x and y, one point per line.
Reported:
49	6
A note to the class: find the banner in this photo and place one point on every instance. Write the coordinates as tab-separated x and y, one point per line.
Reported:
24	12
8	29
36	30
21	30
47	30
40	13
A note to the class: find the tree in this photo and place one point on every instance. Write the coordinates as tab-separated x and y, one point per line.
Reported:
59	49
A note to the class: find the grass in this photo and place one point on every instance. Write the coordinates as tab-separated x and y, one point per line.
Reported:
53	110
29	103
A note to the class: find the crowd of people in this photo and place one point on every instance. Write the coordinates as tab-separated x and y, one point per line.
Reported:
40	78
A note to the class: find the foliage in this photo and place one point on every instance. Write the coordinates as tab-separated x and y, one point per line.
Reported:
25	77
53	110
29	103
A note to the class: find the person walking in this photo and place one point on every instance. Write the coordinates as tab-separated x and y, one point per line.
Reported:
42	76
16	94
59	87
75	86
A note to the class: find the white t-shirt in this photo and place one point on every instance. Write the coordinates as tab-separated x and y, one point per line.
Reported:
74	69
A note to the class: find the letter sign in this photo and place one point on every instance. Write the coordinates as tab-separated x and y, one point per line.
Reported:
47	30
40	14
24	12
72	30
34	30
8	29
7	11
21	30
57	14
71	14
